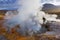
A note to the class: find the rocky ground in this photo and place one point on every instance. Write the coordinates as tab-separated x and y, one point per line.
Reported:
52	33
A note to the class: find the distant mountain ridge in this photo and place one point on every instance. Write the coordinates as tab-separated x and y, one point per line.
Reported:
50	8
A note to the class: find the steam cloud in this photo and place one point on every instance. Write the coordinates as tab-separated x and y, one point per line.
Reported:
27	17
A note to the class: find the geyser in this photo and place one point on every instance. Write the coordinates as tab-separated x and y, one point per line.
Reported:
29	17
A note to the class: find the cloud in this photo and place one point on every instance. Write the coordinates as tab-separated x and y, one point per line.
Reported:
55	2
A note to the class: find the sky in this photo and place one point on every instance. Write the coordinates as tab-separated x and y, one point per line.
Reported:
55	2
